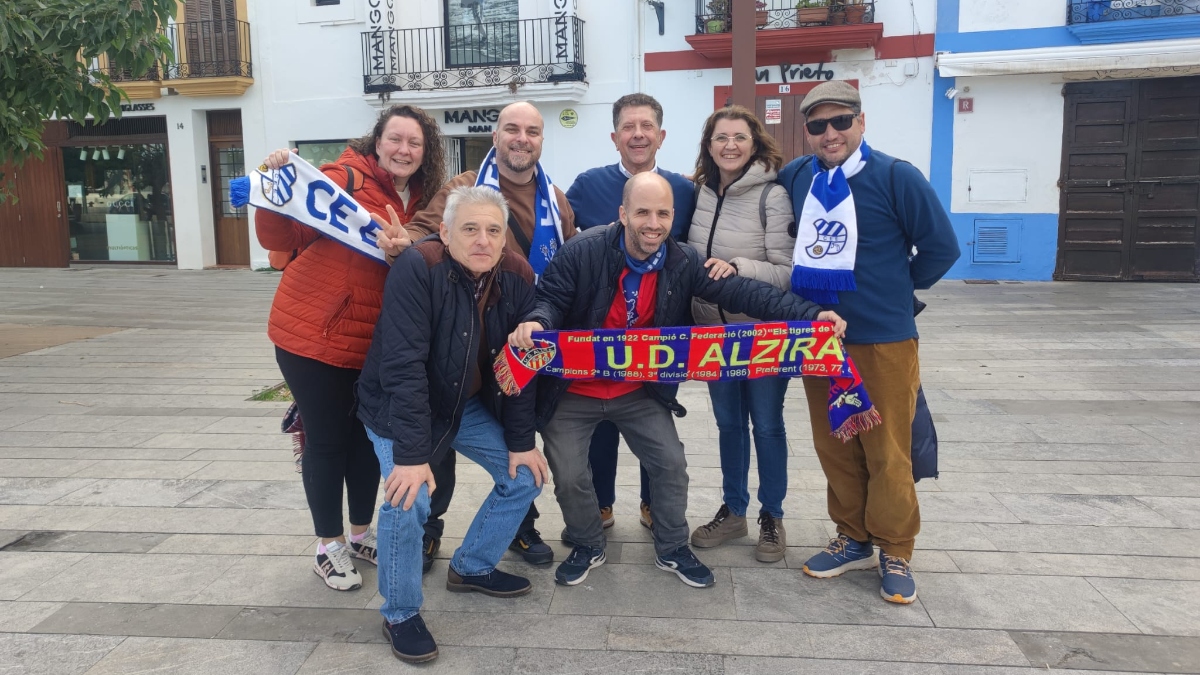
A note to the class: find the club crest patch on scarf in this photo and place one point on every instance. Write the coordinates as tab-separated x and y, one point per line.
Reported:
831	238
705	353
301	192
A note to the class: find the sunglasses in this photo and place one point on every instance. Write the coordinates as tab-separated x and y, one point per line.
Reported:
840	123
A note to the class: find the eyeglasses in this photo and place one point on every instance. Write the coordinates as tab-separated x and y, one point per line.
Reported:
840	123
722	139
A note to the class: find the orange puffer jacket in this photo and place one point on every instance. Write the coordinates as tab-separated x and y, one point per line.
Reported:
329	298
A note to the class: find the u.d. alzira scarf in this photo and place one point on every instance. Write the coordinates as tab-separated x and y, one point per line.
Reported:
827	227
672	355
547	228
301	192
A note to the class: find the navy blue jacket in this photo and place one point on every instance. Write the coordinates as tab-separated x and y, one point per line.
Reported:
582	279
896	210
595	197
413	386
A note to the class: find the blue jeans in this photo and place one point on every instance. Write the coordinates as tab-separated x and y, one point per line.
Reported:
481	439
735	405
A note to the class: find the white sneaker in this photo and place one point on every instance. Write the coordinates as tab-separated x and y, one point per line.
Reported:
365	550
336	569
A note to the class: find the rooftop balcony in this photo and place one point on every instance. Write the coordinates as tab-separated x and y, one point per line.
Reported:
542	56
786	27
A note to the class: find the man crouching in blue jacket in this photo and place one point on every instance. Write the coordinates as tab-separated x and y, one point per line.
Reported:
428	386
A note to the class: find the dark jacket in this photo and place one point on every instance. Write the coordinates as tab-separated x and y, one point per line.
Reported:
580	283
413	387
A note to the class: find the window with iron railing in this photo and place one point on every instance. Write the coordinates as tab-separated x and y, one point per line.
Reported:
474	55
716	16
1094	11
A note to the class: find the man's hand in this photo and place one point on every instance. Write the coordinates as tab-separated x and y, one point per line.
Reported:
404	482
393	239
522	337
839	324
719	269
279	158
532	459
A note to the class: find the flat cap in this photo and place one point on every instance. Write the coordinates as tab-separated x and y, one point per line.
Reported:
834	91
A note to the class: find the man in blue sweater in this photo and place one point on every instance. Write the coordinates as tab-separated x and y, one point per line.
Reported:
860	213
595	198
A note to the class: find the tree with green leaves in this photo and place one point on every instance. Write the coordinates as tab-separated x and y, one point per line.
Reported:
47	48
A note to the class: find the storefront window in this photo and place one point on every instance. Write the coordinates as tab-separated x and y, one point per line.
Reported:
119	202
320	152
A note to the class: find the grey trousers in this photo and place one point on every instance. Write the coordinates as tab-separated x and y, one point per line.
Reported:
650	432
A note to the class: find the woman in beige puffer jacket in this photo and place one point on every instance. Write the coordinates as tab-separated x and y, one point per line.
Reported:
741	227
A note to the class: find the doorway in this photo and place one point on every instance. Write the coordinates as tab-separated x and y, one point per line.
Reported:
1130	198
33	228
228	161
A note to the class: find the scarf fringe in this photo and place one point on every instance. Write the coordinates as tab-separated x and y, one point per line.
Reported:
239	191
823	280
857	424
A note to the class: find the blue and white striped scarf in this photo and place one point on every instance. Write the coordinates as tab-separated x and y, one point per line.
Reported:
827	232
547	228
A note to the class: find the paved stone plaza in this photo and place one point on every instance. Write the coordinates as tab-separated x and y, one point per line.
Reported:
152	520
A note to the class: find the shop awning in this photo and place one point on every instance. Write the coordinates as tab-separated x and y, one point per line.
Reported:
1082	58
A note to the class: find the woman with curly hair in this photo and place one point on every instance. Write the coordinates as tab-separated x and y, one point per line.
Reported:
741	227
323	317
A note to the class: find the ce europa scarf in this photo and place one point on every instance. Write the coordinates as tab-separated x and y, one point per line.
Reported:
547	229
827	232
706	353
301	192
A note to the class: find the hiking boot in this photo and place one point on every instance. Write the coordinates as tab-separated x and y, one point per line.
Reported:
646	520
606	517
723	527
531	547
429	548
772	539
366	549
575	568
841	555
495	583
410	640
687	567
896	583
335	568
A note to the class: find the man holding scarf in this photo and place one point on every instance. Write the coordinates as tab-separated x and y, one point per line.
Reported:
540	220
861	213
632	274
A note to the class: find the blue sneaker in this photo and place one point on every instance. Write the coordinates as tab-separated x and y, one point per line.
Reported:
575	568
841	555
896	579
687	567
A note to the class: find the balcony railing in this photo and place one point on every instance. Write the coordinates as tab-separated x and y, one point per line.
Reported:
1095	11
209	49
714	16
473	55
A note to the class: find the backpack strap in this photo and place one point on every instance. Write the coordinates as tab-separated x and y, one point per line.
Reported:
762	204
519	235
794	228
353	180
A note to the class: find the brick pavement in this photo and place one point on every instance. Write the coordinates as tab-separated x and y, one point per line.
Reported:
150	519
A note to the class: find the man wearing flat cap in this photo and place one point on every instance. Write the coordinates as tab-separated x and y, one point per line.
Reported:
869	231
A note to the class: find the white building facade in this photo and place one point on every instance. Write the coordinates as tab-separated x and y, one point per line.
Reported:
1066	137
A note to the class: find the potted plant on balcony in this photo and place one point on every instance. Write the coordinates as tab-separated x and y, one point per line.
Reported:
718	19
760	14
854	11
811	11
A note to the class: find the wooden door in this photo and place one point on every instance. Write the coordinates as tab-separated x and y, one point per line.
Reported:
789	133
33	230
1130	196
231	223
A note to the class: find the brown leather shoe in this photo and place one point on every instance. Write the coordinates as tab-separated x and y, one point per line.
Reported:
772	539
723	527
646	520
606	517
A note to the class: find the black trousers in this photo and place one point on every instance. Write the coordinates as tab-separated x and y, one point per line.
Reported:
336	448
439	501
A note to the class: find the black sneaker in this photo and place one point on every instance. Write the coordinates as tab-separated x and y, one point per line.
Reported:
411	641
687	566
531	547
495	583
429	548
575	568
